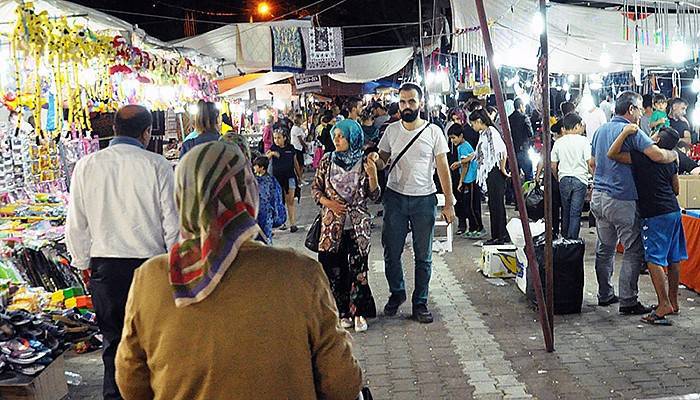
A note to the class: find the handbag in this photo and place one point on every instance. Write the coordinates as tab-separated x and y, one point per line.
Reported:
313	236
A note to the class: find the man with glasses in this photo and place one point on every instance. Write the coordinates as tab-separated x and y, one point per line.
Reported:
613	204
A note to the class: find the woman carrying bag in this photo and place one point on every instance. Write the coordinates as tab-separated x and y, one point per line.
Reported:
342	185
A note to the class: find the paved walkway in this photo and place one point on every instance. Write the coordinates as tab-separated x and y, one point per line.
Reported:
486	341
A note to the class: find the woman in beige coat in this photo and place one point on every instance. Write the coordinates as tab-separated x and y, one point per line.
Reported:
203	322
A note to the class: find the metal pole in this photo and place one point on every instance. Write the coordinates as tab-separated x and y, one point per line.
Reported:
548	249
513	162
426	97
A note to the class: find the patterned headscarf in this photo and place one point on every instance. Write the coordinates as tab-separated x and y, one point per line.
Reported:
217	197
356	138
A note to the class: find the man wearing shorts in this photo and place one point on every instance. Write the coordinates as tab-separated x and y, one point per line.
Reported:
662	231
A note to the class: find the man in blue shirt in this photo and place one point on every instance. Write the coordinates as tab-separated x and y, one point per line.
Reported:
613	204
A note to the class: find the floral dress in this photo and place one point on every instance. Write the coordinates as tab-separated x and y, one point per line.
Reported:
272	212
345	240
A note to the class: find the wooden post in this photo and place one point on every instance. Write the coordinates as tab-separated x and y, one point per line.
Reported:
517	187
543	65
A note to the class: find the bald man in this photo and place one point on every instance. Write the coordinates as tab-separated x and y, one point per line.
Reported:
121	213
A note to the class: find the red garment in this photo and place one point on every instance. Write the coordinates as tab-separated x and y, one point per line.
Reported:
267	137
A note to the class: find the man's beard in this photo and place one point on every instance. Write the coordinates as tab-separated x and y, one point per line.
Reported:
409	115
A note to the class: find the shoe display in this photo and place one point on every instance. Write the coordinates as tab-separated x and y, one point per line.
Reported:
421	314
360	324
395	301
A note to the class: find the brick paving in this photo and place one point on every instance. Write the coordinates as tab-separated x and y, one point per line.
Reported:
486	341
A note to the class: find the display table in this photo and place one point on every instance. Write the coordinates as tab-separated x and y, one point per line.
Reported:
690	269
50	384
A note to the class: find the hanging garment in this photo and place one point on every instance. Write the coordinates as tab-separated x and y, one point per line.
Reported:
324	50
287	49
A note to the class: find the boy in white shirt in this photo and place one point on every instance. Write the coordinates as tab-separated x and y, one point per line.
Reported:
571	161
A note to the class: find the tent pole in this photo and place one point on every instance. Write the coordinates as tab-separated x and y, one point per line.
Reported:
422	58
548	249
513	163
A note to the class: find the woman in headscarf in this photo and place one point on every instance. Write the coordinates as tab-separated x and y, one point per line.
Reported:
342	186
204	321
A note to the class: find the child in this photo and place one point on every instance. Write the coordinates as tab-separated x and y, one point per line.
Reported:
659	118
467	191
571	156
272	213
286	169
662	231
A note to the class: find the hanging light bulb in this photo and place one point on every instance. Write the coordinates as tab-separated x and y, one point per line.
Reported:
605	60
566	86
571	78
538	24
695	86
525	98
193	109
679	52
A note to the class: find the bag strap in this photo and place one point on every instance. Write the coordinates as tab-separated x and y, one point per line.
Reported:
405	149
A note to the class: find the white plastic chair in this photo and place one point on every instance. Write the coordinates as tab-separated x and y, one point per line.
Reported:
441	222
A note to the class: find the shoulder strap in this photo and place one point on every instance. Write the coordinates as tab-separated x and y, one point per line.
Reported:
405	149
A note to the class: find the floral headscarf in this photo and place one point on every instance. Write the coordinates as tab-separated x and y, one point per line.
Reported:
217	197
356	138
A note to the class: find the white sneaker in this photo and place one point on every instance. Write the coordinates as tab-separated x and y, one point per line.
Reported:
360	324
346	323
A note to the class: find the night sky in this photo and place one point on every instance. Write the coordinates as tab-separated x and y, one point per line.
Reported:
352	12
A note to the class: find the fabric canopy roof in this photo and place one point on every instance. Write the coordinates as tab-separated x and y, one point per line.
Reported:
577	35
225	43
246	82
95	20
373	66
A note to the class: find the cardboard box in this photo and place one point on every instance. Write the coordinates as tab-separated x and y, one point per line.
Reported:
50	384
689	191
499	261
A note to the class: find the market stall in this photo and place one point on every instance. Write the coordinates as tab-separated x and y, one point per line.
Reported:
64	70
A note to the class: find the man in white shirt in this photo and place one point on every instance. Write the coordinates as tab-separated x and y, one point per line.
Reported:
607	107
121	213
593	118
571	160
410	201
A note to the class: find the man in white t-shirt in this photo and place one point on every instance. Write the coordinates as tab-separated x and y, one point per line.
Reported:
571	163
410	201
298	139
593	119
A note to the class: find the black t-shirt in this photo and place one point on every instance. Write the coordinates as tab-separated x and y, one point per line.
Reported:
685	163
679	125
283	167
654	184
470	135
327	139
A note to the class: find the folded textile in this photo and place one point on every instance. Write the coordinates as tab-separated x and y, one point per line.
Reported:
287	49
324	50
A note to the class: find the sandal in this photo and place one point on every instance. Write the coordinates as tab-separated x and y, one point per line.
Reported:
654	319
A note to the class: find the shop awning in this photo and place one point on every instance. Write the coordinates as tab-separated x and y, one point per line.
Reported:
578	36
235	85
242	47
373	66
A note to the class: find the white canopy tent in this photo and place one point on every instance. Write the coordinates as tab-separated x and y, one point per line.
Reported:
264	79
578	36
369	67
242	47
96	21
